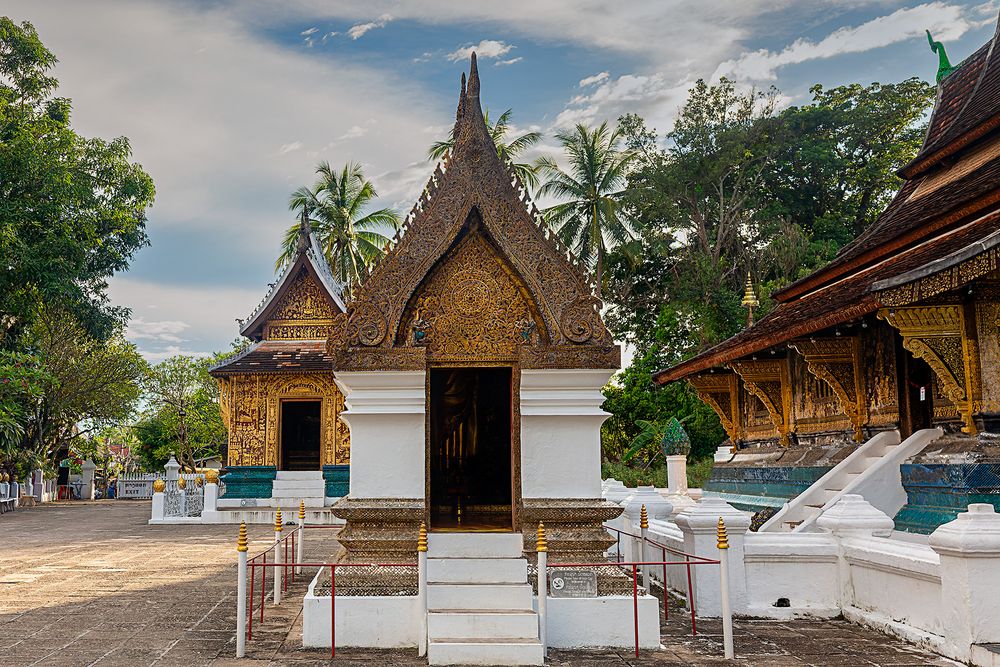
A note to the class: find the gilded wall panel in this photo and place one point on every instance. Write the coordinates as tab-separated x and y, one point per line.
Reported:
988	332
836	361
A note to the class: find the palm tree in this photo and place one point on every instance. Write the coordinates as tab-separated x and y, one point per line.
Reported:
508	151
590	220
352	240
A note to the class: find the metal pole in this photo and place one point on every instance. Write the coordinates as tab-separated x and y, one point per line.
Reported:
302	535
241	592
643	532
277	557
422	588
333	612
727	614
542	547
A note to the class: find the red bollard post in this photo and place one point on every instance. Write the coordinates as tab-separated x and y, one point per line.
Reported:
635	607
333	612
253	574
263	586
694	626
663	557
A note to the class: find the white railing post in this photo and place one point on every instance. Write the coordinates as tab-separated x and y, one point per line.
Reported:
299	545
159	501
643	536
422	588
241	592
278	579
542	547
727	613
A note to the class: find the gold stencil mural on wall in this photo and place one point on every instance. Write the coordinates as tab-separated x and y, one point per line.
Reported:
251	406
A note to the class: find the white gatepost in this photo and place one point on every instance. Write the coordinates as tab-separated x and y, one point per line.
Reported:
699	524
643	536
159	501
300	542
87	477
173	469
422	588
969	548
542	549
278	578
727	609
241	592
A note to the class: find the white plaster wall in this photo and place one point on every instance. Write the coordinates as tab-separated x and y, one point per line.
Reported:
601	622
800	567
561	421
385	413
369	622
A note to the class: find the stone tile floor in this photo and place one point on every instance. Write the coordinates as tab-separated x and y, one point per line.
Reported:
92	584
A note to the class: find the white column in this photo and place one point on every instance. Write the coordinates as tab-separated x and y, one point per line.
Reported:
172	468
241	592
561	419
300	539
159	502
278	558
385	412
677	481
699	525
969	548
87	477
422	589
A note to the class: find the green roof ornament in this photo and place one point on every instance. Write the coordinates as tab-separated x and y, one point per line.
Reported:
944	65
675	439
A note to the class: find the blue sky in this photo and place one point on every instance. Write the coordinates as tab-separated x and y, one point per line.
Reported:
230	104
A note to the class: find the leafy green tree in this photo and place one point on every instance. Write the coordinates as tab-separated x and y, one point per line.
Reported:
72	208
94	384
23	381
352	237
590	219
508	150
184	415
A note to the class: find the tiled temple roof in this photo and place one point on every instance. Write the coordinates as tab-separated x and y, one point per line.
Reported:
278	356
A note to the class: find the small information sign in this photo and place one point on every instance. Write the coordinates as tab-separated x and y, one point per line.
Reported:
565	583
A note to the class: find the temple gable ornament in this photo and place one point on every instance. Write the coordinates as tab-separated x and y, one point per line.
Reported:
836	361
768	381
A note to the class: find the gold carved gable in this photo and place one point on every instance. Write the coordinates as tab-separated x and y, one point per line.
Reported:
304	312
768	380
837	362
473	182
472	305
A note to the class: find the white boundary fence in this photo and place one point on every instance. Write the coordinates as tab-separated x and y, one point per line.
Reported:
138	485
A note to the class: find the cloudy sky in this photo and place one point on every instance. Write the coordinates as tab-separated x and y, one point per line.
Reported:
230	104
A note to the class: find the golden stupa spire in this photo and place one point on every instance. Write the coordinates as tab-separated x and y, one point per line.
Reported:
749	299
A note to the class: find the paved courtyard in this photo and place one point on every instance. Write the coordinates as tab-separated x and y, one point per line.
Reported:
91	584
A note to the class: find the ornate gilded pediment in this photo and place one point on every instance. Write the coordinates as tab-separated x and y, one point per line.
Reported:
473	195
303	313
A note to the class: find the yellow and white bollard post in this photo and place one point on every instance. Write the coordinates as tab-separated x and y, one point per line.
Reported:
727	614
241	592
300	541
643	533
542	547
278	578
422	587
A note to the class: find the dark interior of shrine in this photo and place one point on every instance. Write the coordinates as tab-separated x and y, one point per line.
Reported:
470	448
300	422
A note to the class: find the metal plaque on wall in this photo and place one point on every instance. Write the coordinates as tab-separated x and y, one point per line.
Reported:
572	583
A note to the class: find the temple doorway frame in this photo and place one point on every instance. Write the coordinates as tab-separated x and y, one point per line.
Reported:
280	428
516	500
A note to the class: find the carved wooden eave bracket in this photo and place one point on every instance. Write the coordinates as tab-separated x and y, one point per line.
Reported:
945	338
768	380
837	362
720	391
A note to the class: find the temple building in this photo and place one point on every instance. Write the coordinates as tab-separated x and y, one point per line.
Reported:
279	401
895	344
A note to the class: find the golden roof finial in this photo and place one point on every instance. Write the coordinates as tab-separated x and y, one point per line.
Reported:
302	510
241	540
643	518
749	299
277	521
723	537
541	544
422	537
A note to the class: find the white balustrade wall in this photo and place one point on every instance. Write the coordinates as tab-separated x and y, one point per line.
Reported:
852	568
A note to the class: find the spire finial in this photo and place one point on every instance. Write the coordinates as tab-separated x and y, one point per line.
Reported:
749	299
461	100
305	229
473	89
944	64
422	537
541	542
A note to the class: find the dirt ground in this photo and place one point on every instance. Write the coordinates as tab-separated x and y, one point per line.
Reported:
92	584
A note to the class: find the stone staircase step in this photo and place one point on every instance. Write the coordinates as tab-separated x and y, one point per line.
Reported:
475	545
479	624
298	475
477	570
470	651
478	596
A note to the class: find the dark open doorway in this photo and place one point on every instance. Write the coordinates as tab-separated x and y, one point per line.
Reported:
916	395
470	448
300	422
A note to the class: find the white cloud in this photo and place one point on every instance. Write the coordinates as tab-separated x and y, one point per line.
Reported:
353	132
309	31
488	48
946	22
508	62
591	80
288	148
360	29
164	330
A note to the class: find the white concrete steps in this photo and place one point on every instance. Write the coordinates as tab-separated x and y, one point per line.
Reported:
291	486
479	601
485	652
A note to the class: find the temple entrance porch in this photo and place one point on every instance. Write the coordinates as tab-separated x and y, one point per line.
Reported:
469	482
